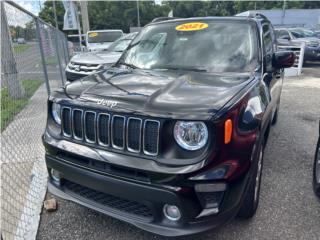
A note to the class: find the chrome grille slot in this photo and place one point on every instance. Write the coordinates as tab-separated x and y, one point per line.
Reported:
134	126
66	121
111	131
77	123
90	126
103	129
117	131
151	137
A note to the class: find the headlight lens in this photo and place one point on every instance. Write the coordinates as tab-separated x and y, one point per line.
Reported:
56	112
191	135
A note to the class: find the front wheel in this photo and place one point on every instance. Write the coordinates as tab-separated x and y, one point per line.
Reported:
251	200
316	171
276	114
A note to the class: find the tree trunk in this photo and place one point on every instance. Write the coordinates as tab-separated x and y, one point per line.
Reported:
9	71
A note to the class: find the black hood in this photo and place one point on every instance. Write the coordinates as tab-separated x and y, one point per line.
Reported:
168	93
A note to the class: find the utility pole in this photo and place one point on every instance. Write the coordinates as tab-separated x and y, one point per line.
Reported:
79	27
56	40
84	16
55	14
283	12
138	13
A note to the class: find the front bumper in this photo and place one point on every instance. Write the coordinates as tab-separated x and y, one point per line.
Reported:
141	203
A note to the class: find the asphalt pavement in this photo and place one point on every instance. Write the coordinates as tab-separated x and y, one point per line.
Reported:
288	208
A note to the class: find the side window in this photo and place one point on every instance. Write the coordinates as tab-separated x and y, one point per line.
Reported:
269	45
284	35
267	39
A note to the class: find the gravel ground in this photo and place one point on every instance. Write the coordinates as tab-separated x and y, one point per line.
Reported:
288	208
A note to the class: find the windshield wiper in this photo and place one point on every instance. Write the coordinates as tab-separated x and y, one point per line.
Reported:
129	65
184	68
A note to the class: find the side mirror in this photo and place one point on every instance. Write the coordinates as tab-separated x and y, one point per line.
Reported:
83	42
283	59
286	38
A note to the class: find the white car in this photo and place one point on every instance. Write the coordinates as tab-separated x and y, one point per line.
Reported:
88	63
102	39
21	41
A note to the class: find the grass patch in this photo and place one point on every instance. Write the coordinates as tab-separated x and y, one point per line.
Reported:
11	107
20	48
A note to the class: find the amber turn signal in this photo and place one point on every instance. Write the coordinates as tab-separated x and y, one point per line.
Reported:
227	131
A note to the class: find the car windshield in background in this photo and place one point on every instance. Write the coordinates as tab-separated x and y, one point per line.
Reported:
213	46
298	33
309	33
100	37
120	45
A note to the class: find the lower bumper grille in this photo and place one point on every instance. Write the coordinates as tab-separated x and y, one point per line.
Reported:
105	200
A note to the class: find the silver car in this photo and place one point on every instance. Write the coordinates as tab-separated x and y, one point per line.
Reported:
88	63
296	36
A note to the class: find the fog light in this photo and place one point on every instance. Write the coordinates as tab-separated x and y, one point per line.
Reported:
55	175
171	212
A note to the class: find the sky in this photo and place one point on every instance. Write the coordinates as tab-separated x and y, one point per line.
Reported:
32	6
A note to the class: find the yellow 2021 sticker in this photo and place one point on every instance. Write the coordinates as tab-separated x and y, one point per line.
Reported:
192	26
93	34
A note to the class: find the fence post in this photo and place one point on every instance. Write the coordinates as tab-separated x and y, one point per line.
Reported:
67	48
42	56
61	38
58	55
301	58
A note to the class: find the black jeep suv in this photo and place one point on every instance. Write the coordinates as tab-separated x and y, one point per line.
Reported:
316	168
171	138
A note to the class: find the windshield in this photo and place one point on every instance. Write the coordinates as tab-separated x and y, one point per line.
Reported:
300	33
215	46
309	33
100	37
120	45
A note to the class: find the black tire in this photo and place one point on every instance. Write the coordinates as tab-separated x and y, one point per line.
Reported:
276	114
316	171
251	199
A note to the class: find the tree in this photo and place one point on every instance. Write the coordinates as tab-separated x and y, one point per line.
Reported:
47	15
123	14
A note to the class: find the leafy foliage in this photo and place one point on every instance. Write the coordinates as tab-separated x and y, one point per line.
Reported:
123	14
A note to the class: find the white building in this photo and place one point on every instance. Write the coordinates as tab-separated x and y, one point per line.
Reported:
295	17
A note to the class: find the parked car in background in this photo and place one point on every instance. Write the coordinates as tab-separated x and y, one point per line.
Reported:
74	43
296	36
21	41
316	168
101	39
171	138
308	33
84	64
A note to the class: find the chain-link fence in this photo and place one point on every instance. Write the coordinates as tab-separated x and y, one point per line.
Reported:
33	58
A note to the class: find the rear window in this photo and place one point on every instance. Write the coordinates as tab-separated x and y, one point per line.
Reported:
99	37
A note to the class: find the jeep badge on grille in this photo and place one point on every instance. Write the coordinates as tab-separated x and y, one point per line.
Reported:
107	103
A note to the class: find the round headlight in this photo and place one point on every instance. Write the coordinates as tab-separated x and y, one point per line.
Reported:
56	112
191	135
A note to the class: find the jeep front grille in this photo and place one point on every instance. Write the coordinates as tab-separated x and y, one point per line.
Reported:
111	131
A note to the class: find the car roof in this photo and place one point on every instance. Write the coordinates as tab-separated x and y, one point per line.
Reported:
129	36
107	30
232	18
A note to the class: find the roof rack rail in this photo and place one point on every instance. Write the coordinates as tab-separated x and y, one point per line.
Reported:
161	19
251	14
